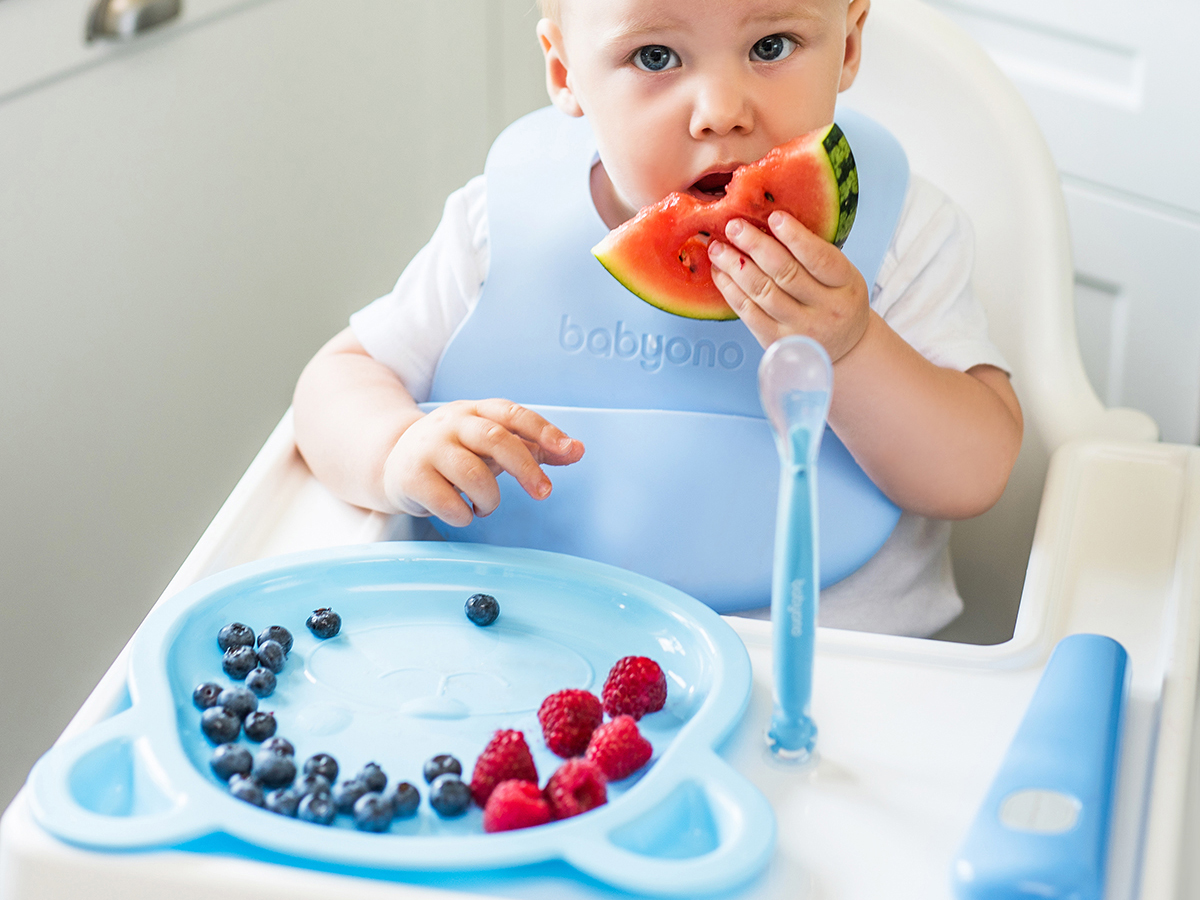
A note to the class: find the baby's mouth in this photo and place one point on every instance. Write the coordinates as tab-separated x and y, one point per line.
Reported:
712	185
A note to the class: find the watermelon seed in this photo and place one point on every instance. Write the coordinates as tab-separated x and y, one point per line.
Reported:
768	195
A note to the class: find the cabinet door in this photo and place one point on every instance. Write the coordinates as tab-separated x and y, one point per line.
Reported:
1113	85
1137	298
184	220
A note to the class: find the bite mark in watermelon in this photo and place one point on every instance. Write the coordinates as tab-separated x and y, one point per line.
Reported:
661	254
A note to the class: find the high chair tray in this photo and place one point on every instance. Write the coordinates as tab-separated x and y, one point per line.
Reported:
409	677
912	731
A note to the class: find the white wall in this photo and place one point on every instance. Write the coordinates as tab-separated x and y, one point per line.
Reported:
183	221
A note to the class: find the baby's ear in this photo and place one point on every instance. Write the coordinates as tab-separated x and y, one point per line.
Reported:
856	17
558	77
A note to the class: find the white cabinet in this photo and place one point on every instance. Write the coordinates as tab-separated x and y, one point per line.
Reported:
1113	84
1116	89
1137	295
184	219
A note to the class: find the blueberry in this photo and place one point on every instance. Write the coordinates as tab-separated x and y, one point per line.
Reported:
273	771
271	656
238	662
284	801
449	795
261	681
322	764
324	622
276	633
346	794
205	695
229	760
259	726
312	783
219	726
245	789
372	812
405	800
442	764
237	701
482	609
280	746
317	808
372	776
235	635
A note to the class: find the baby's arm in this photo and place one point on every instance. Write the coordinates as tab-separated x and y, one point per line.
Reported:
363	436
938	442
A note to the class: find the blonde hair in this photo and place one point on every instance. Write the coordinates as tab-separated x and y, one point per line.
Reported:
549	9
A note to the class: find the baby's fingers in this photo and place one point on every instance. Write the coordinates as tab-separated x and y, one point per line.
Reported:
550	444
471	475
427	490
776	276
491	440
761	325
820	259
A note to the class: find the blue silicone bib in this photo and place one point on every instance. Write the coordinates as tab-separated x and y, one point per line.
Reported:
680	475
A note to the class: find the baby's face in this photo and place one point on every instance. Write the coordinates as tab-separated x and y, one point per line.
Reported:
681	92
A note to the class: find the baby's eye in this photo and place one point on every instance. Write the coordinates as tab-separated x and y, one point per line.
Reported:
655	58
773	47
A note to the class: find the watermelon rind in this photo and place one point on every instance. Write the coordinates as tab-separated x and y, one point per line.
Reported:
845	173
714	314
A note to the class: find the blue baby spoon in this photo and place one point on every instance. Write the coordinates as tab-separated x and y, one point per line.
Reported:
795	381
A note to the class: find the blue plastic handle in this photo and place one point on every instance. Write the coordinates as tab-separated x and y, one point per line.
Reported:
743	821
793	734
83	786
795	383
1043	830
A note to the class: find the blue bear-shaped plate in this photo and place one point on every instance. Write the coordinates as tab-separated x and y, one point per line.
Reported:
408	677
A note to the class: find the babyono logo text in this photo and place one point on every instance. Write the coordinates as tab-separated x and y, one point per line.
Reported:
650	350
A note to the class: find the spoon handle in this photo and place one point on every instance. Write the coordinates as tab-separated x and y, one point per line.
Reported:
793	734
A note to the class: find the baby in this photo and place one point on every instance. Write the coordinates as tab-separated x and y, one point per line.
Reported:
678	93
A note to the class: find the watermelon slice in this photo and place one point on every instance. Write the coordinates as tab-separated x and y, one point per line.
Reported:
661	254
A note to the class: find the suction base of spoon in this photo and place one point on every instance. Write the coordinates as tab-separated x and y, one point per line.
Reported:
793	742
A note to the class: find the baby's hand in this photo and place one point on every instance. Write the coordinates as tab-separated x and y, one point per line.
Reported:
791	283
461	447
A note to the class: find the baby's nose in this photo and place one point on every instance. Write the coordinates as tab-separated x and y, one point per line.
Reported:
720	107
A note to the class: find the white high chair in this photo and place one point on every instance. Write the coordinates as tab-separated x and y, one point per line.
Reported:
966	130
912	730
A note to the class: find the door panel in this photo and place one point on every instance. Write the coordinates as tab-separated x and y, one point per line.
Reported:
1112	84
1138	305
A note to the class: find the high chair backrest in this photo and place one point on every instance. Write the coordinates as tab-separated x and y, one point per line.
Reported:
967	130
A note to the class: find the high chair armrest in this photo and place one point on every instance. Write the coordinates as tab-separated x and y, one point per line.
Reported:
1120	423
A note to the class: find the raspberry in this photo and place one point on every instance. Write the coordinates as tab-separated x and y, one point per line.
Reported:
568	719
618	749
635	686
576	787
505	758
515	804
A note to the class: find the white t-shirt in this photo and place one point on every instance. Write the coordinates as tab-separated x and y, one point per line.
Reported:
922	291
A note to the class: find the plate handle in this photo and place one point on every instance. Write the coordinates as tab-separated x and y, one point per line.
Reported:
655	853
105	789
